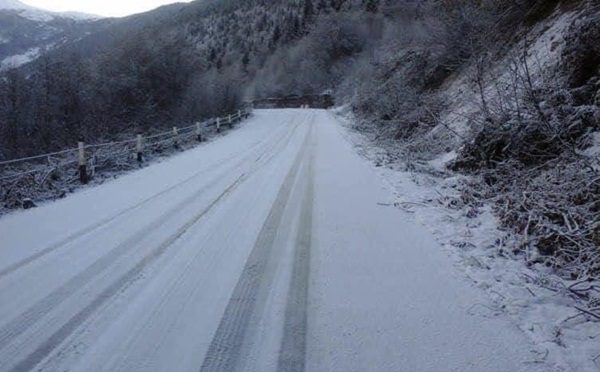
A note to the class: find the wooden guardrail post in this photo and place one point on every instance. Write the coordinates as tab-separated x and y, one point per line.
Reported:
218	125
199	132
176	137
83	175
140	149
230	122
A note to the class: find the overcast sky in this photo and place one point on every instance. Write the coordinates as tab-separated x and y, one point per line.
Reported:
109	8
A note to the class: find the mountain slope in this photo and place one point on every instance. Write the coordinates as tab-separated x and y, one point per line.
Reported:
27	32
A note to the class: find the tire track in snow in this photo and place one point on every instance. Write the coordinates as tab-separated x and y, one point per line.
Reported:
264	159
47	304
292	354
226	350
55	298
61	334
86	230
185	274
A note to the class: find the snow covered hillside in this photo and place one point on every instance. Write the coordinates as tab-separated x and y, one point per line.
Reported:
275	248
501	162
36	14
27	32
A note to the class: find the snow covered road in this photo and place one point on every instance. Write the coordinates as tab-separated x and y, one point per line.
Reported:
274	248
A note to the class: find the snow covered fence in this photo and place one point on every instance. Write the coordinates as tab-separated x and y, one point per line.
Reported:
53	175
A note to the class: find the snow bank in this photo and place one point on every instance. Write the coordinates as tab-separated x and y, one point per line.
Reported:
533	299
20	59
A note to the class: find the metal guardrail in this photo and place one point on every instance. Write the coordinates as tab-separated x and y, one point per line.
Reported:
45	176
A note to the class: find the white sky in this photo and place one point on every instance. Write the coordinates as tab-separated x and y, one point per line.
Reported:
109	8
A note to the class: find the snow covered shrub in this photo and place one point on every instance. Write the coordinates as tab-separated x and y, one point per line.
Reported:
533	115
41	182
530	153
539	132
555	210
394	97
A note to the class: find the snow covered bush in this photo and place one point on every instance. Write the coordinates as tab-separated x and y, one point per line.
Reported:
535	157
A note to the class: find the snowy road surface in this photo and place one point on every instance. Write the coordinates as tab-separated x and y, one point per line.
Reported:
273	248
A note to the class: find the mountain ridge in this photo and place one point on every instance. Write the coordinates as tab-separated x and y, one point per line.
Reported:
36	13
27	32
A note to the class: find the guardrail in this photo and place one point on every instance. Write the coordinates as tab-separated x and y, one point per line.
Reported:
53	175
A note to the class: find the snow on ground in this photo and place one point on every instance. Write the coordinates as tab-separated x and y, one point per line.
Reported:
13	5
564	341
27	11
20	59
390	300
78	16
594	149
593	152
274	248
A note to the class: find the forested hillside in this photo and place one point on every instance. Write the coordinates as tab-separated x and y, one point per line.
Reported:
176	64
